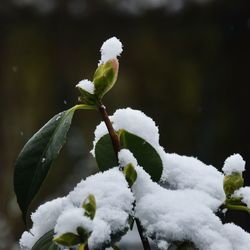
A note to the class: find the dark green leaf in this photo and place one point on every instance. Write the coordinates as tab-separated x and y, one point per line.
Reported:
90	206
104	153
36	157
68	239
83	234
46	242
130	174
145	154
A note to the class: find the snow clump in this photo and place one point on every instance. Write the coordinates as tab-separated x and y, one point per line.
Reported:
234	164
183	215
125	157
243	192
76	219
111	49
87	86
114	204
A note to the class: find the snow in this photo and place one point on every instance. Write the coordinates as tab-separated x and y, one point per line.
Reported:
111	49
178	215
125	157
44	220
114	201
86	85
234	164
100	235
182	172
109	188
238	237
70	220
243	192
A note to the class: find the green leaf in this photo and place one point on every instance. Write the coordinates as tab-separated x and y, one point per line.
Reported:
83	234
38	154
68	239
46	242
90	206
104	153
144	152
130	174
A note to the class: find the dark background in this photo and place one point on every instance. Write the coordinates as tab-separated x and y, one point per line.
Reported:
187	66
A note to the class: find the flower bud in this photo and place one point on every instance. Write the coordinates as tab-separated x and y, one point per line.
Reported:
105	77
232	183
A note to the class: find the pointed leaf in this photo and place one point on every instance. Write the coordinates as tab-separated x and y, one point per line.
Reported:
46	242
144	152
37	155
68	239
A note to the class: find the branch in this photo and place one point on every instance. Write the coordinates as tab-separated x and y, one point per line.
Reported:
117	146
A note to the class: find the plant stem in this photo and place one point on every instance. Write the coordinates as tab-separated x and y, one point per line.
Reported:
144	239
237	207
117	147
114	137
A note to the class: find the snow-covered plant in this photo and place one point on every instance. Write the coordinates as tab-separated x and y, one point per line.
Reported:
174	200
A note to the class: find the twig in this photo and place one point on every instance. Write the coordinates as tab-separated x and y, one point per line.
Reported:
144	239
114	137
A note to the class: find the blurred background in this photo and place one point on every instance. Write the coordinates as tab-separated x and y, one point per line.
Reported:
186	63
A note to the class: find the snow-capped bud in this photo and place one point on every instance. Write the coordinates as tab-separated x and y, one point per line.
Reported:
105	77
234	164
86	89
232	183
